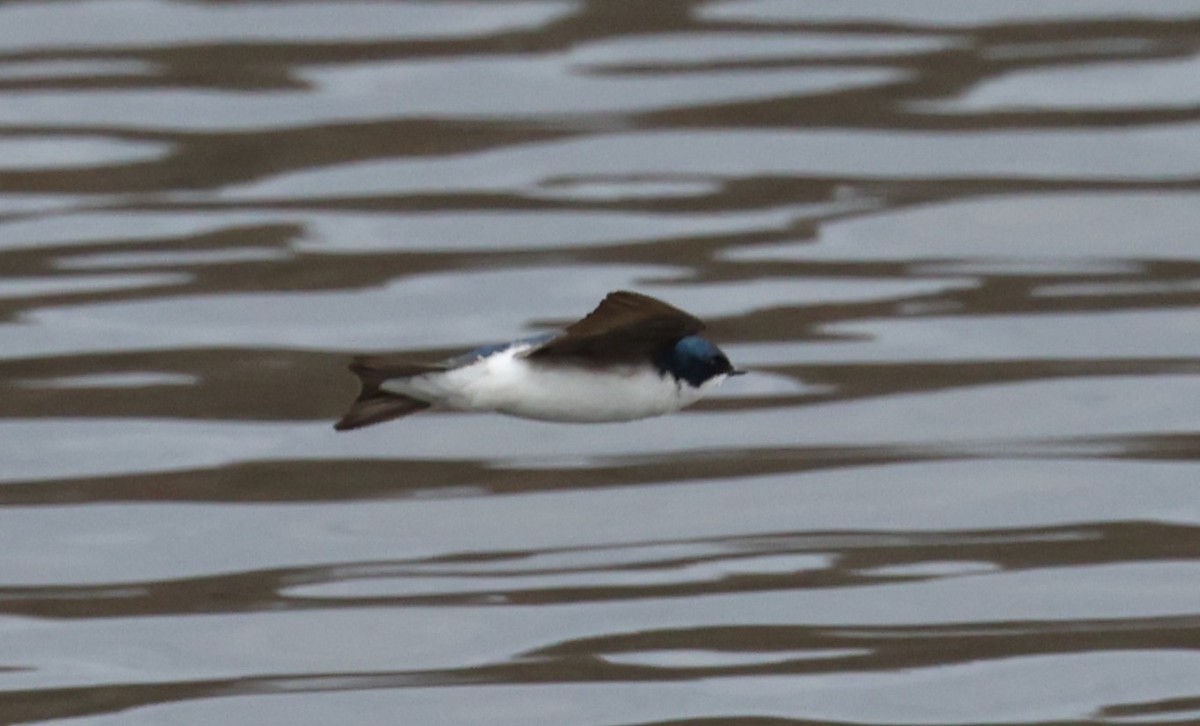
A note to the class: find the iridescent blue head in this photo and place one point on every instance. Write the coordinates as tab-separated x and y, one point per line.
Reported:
695	360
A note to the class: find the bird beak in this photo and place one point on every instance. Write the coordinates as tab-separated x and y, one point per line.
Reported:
738	372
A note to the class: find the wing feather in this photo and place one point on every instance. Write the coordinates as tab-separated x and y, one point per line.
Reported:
624	325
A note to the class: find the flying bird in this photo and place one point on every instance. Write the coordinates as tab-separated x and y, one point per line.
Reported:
632	357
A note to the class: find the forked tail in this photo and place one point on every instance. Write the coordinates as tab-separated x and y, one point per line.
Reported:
375	405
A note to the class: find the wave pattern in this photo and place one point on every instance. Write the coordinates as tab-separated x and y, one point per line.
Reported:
955	243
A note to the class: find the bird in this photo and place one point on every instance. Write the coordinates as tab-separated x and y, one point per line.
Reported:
632	357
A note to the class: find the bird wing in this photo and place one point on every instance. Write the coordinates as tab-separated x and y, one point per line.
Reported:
624	325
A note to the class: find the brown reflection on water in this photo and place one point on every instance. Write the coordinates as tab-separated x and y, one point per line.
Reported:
754	650
861	559
584	662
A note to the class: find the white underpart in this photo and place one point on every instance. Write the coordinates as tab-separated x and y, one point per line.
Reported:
509	383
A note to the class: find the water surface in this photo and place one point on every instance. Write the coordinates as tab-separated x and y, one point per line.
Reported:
954	241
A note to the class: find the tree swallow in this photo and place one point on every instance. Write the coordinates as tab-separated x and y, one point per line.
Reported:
632	357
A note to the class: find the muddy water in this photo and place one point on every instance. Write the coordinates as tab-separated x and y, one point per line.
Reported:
956	242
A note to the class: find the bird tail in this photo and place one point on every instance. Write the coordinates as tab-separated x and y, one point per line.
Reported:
375	405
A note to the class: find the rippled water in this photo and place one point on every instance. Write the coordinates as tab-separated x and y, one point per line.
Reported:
956	241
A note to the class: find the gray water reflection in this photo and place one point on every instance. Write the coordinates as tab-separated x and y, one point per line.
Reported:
953	240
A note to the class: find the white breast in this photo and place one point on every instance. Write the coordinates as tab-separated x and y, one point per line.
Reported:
508	383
